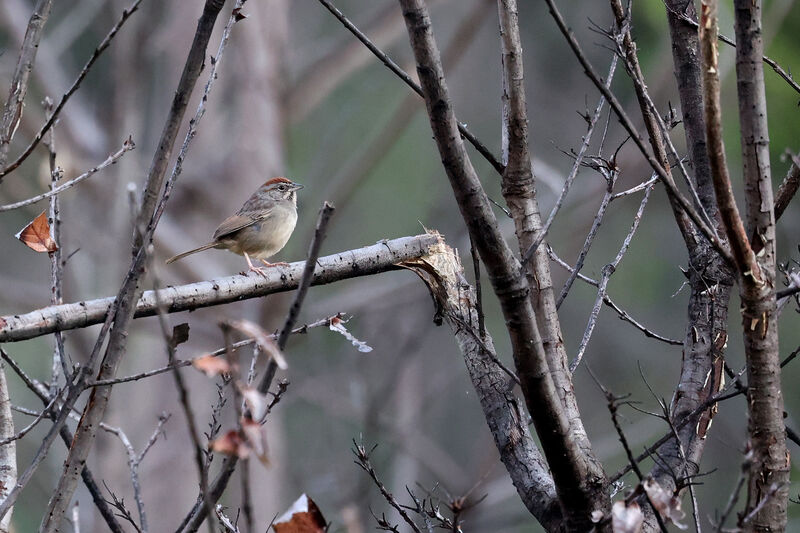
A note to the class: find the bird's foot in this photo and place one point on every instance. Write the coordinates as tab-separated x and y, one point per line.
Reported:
280	263
261	271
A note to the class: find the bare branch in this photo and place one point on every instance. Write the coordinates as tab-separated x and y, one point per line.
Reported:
198	513
129	291
768	486
743	255
54	115
788	187
576	165
113	158
12	109
181	363
505	416
623	315
134	460
380	257
8	452
362	460
569	454
608	271
707	232
787	76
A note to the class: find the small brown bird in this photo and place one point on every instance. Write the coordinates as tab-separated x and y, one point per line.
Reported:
262	226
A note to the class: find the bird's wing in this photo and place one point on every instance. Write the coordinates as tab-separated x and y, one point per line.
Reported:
240	220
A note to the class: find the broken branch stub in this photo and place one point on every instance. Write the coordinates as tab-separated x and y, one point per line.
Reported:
441	270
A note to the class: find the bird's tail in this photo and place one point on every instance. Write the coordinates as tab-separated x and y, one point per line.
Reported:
190	252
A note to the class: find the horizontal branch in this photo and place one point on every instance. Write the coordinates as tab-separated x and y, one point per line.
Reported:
364	261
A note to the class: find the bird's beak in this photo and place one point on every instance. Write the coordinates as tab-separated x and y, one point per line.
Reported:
296	186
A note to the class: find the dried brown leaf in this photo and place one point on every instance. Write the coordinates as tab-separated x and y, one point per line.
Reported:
211	366
302	517
238	15
180	334
36	235
231	443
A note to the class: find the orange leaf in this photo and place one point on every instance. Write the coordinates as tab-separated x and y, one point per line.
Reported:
211	366
230	443
36	235
302	517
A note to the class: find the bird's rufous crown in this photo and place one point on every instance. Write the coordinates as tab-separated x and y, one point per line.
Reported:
273	181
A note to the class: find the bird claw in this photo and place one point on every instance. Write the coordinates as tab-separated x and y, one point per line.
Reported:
279	263
261	271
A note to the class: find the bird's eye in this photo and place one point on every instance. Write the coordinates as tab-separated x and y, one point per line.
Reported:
281	187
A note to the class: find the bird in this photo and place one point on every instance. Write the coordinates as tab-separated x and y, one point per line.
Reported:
260	228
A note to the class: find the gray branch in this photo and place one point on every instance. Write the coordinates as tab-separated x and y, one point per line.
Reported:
365	261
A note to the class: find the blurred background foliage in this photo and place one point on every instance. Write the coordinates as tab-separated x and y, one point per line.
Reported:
297	96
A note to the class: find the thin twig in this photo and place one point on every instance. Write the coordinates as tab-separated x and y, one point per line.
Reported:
788	187
201	110
171	342
576	165
113	158
610	176
724	394
197	514
612	404
362	460
66	437
54	116
181	363
707	232
14	105
727	40
608	271
41	415
56	264
623	315
134	460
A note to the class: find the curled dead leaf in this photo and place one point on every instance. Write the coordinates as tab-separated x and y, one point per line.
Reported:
211	366
231	443
302	517
238	15
36	235
180	334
